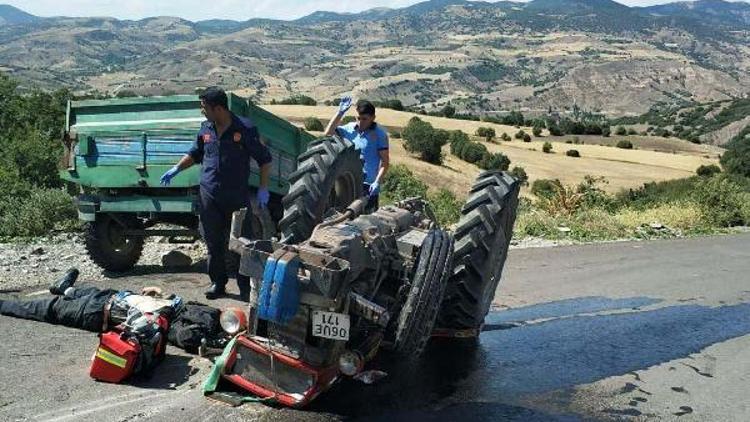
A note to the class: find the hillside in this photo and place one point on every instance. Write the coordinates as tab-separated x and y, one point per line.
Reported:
481	57
622	168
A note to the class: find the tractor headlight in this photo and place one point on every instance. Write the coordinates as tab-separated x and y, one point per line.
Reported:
350	363
233	320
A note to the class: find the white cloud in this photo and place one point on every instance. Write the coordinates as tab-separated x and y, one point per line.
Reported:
212	9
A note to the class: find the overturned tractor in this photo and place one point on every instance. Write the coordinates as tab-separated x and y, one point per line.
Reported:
342	286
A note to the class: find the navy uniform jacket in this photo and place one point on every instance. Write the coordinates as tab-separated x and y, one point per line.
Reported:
226	161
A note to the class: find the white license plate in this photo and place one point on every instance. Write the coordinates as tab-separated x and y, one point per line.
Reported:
330	325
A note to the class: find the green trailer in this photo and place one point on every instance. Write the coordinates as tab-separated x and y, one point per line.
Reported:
117	149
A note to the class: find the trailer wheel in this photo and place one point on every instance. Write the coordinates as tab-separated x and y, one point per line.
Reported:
108	245
482	239
328	176
417	316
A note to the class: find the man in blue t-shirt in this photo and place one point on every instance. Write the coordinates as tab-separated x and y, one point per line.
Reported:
370	139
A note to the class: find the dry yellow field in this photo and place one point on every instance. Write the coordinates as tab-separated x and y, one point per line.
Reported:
622	168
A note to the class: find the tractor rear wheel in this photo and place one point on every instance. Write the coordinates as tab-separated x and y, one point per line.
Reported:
108	245
482	239
417	316
328	176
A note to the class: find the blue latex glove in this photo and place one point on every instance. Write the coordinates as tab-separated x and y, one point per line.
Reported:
166	178
374	189
263	197
345	104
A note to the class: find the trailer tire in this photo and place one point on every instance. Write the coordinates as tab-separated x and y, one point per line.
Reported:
328	175
418	314
482	239
109	247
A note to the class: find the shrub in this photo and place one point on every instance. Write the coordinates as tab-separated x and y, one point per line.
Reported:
457	140
632	131
447	111
606	131
486	132
547	148
594	196
313	124
721	201
573	153
555	130
400	183
396	134
543	188
537	131
420	137
708	170
736	159
348	119
621	131
505	137
520	174
298	100
526	137
562	200
446	207
520	134
36	213
472	152
624	144
496	161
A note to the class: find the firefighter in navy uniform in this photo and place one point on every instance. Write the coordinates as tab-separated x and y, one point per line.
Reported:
224	147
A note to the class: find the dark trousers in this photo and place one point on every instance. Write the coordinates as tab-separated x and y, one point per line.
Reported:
83	309
216	223
373	201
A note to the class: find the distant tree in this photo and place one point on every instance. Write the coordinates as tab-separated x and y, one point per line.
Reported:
299	100
457	140
537	131
624	144
420	137
487	133
555	130
547	148
526	137
448	111
313	124
496	161
606	131
632	131
505	137
621	131
473	152
736	159
519	134
708	170
126	93
573	153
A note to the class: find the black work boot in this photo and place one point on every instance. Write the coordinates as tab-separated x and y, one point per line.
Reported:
216	291
63	283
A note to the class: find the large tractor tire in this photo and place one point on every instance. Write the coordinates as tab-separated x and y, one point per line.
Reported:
482	239
418	314
108	245
328	176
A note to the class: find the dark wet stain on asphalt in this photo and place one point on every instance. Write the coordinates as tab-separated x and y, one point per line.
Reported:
490	379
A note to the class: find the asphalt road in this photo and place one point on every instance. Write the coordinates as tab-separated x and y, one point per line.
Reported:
621	331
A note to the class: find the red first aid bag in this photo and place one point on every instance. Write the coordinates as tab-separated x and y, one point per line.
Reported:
115	358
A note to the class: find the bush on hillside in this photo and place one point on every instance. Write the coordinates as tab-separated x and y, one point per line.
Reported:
472	152
446	206
520	134
621	131
547	148
736	159
624	144
313	124
573	153
496	161
486	132
298	100
537	131
544	188
520	174
458	140
505	137
420	137
722	201
526	137
400	183
348	119
708	170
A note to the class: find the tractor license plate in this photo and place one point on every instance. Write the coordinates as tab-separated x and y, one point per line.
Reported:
330	325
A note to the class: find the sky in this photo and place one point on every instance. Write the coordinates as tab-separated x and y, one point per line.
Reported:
214	9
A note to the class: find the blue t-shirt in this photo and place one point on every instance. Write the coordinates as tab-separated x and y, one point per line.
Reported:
369	143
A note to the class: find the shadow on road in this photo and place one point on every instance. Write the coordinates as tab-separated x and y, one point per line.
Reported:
478	381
